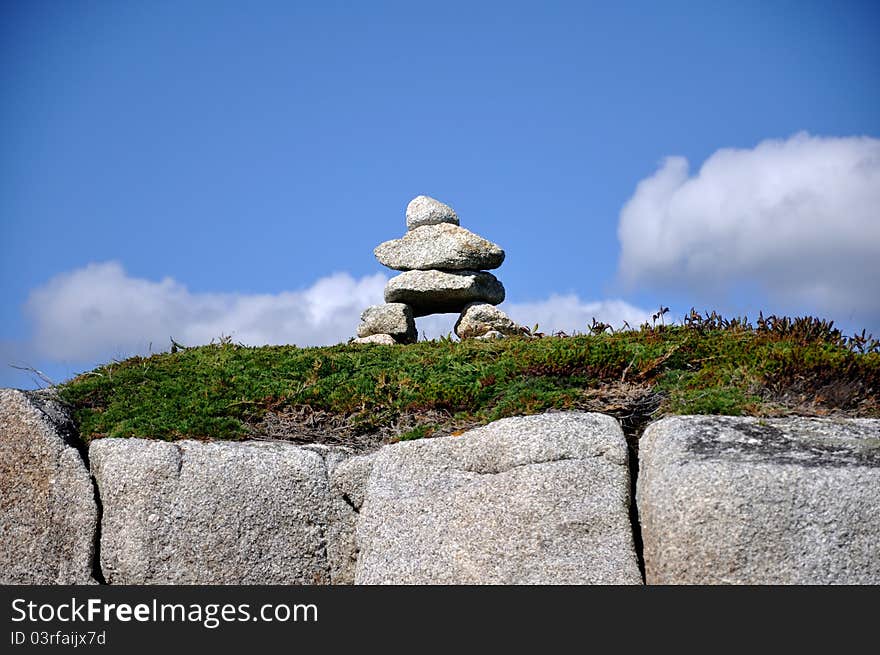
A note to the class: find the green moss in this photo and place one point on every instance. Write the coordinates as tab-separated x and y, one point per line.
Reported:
217	391
418	432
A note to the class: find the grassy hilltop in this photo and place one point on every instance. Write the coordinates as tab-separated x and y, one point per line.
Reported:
363	394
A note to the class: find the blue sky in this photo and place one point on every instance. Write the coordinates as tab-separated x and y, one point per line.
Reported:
208	168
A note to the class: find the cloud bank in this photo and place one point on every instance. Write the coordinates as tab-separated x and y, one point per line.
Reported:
796	218
100	312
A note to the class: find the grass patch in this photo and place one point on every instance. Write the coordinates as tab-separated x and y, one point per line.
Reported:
709	365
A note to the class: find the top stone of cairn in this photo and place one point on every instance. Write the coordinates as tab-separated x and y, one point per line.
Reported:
423	210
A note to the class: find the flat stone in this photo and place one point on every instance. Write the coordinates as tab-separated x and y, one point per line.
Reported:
444	246
424	210
48	513
481	319
440	292
189	512
381	339
730	500
526	500
394	319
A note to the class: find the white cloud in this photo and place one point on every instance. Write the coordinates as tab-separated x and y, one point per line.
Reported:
98	312
798	219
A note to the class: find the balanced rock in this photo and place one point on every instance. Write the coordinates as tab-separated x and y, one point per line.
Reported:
480	319
443	272
423	210
381	339
394	319
443	246
440	292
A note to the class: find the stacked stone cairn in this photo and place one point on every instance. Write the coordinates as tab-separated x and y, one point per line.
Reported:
444	271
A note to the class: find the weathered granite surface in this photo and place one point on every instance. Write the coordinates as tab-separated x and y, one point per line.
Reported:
443	247
48	512
189	512
348	482
440	292
392	319
424	210
479	319
730	500
538	499
381	339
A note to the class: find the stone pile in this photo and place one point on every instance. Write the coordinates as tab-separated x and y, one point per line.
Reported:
444	270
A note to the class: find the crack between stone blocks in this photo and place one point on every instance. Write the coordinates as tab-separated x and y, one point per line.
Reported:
97	572
638	543
325	528
66	428
633	431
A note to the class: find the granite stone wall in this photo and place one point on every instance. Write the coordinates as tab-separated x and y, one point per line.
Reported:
526	500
